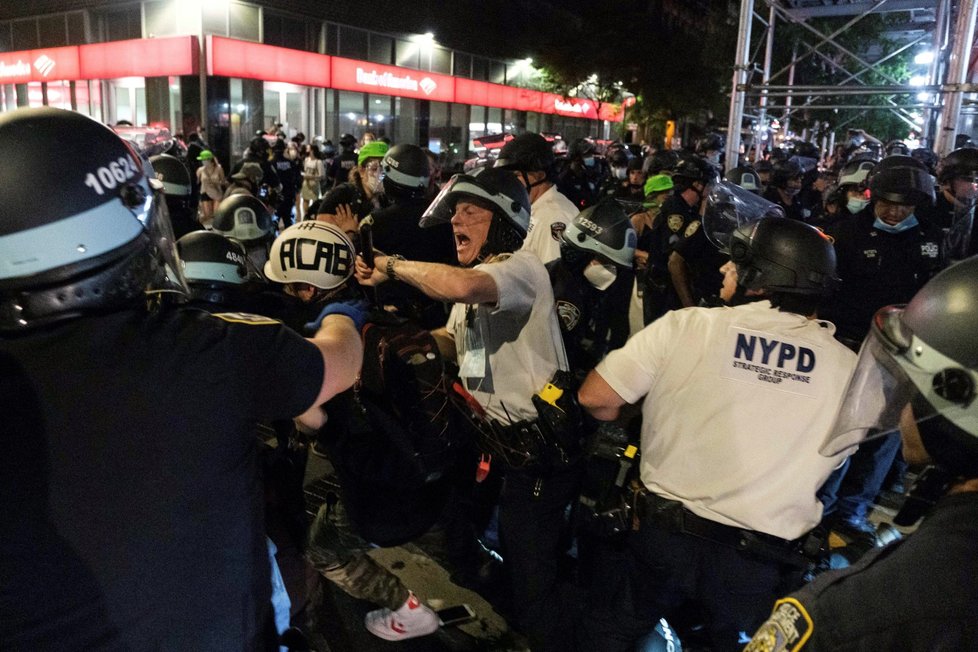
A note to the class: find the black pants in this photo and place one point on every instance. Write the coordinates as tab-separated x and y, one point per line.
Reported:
532	521
666	570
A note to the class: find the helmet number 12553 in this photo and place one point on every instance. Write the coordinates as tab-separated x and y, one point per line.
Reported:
109	176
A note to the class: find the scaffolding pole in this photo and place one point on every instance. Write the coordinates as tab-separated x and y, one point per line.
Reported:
737	94
938	45
957	73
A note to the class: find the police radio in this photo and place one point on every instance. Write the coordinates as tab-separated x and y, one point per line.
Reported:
367	240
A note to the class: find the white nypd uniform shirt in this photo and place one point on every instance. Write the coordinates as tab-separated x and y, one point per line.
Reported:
737	403
509	351
549	216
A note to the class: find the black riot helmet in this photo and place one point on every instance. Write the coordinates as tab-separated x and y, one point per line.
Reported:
217	268
348	141
896	147
784	171
709	143
959	163
175	177
691	169
618	159
580	149
406	171
805	149
923	354
100	239
496	190
603	230
243	217
526	153
746	177
901	180
783	256
928	157
662	161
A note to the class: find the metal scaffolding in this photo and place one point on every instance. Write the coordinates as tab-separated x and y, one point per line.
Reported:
931	23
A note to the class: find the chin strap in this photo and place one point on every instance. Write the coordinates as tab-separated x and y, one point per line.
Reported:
930	485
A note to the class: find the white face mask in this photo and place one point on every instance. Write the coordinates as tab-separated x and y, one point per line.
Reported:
621	173
600	276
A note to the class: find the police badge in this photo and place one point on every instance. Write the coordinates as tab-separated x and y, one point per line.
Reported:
674	222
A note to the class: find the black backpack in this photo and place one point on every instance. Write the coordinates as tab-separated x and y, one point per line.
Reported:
403	398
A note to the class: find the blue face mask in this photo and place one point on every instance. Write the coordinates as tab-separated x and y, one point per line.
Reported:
589	161
906	224
856	205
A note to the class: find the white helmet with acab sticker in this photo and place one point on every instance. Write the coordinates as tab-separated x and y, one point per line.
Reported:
312	252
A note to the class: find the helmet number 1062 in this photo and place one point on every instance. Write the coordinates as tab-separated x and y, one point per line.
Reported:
109	176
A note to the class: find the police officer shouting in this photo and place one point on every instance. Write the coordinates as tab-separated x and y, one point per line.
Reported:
133	507
736	401
916	594
503	332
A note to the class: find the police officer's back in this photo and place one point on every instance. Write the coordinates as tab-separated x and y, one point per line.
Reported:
150	532
918	593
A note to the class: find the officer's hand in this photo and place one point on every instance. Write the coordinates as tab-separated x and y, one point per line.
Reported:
357	310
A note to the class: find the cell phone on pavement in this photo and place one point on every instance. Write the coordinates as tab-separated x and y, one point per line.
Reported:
457	615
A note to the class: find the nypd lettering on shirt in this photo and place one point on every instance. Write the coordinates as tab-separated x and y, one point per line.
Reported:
763	359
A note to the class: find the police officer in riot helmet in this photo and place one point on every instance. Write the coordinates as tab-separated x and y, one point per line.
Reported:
894	147
957	178
344	162
178	189
928	157
504	330
248	220
746	177
580	180
259	152
122	388
746	527
786	184
595	247
710	147
886	254
531	159
661	161
764	168
395	231
691	177
917	372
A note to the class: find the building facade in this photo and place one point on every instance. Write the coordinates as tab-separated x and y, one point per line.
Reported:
235	68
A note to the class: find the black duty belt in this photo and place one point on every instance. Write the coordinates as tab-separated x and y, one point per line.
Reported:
672	515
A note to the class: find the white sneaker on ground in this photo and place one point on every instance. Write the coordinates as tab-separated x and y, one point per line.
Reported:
411	620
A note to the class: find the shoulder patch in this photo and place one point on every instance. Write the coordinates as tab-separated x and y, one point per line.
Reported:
787	630
245	318
691	229
569	314
557	230
675	222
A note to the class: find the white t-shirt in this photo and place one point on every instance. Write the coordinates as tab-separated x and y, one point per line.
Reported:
549	215
737	403
507	352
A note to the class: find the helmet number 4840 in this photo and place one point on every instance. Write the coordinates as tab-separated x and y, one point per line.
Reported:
110	176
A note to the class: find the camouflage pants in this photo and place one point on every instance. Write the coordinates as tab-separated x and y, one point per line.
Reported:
339	554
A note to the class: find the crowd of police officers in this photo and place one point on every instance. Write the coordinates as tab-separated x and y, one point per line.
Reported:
141	347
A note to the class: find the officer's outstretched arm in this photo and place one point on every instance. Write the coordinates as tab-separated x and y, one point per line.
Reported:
339	343
441	282
599	399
